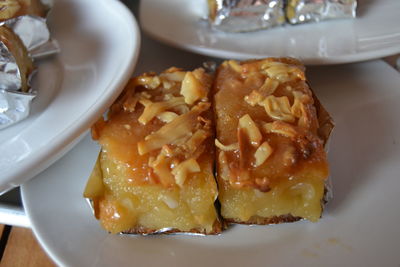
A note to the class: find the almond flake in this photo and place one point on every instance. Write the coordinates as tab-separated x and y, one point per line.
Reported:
262	154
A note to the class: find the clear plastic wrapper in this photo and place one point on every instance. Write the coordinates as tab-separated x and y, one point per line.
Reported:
35	36
246	15
301	11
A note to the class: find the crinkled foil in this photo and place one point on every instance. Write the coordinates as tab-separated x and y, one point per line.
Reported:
251	15
34	33
246	15
301	11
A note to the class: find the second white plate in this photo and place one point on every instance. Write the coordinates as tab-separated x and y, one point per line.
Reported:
359	227
74	88
374	33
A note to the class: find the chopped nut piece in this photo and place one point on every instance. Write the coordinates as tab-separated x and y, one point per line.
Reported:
149	82
278	108
176	76
181	171
152	109
130	103
230	147
254	98
283	72
269	86
195	141
167	116
251	130
235	65
262	154
280	127
176	129
161	168
192	89
299	109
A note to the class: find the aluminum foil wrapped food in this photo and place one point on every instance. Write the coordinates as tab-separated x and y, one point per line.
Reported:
301	11
23	38
245	15
250	15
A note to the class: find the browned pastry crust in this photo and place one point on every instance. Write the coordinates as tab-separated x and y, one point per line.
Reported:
272	220
217	229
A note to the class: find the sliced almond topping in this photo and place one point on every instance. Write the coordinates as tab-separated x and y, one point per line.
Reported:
192	89
162	170
152	109
167	150
278	108
280	127
176	129
278	72
149	82
167	116
196	140
175	76
262	153
230	147
297	72
269	86
235	65
182	170
129	101
251	130
167	84
283	72
254	98
299	109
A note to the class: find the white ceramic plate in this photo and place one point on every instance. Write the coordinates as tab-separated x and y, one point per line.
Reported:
375	33
359	227
98	56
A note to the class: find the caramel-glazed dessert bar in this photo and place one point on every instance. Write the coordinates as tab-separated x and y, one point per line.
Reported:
155	169
17	49
14	8
271	162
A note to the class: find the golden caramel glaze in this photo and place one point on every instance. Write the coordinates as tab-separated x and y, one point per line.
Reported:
20	54
156	161
276	164
15	8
